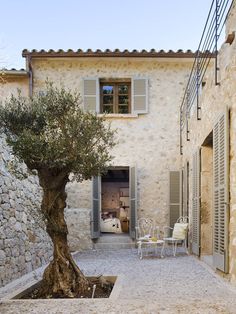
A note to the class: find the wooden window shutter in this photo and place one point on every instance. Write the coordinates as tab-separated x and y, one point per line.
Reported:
196	203
185	190
140	95
96	207
174	196
133	200
91	94
221	192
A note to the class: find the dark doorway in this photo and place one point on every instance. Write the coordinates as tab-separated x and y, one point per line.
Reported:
115	201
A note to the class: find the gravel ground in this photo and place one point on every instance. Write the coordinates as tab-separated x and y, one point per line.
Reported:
179	284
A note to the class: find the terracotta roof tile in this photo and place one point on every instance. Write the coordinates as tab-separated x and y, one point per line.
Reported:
109	53
14	72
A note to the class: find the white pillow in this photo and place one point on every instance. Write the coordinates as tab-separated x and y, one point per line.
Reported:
179	231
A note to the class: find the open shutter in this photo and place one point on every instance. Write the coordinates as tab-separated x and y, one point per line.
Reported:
96	209
174	196
133	200
185	190
221	191
196	204
91	94
139	95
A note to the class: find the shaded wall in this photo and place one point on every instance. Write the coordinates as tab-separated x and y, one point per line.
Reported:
214	100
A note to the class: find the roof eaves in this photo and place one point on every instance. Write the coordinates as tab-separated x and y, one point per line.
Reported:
109	53
13	72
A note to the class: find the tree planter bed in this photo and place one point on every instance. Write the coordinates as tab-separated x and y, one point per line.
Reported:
29	291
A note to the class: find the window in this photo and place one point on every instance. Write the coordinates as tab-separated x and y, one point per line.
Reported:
115	97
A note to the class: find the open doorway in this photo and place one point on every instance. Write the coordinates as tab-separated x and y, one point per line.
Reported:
206	235
115	200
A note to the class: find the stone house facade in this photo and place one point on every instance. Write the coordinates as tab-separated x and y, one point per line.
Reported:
147	134
141	93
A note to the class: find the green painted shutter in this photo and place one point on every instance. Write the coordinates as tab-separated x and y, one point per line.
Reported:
96	207
196	204
174	196
91	94
221	192
139	95
133	200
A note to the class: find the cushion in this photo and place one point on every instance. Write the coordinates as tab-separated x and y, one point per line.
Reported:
180	230
145	238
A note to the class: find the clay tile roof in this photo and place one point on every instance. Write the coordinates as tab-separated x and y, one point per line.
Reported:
109	53
14	72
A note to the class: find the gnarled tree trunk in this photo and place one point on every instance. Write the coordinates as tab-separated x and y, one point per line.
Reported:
62	277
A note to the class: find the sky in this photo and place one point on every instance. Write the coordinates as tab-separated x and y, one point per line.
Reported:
98	24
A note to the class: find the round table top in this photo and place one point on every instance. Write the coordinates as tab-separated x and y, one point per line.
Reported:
150	241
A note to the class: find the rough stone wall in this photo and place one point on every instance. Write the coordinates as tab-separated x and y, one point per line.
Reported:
24	245
214	100
149	141
78	222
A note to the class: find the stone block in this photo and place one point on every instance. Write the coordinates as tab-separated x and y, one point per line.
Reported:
6	207
15	251
28	267
2	257
12	220
18	226
28	256
4	198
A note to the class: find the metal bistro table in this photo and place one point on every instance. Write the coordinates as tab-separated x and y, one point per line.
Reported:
149	243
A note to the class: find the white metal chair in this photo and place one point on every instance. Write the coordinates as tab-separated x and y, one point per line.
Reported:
178	234
148	235
144	228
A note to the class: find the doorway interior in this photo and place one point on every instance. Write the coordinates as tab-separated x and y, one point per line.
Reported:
206	213
115	201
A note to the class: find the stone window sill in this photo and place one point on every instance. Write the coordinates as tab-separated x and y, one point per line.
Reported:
119	116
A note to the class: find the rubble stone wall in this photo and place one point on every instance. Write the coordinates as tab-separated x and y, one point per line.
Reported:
24	244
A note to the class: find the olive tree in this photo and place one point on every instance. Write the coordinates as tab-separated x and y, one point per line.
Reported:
53	135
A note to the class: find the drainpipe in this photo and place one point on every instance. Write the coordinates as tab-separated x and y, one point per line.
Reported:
30	76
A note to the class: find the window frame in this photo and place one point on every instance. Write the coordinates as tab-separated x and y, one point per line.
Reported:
115	83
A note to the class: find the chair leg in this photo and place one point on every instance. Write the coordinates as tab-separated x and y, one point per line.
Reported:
175	247
162	249
185	245
156	250
141	253
140	250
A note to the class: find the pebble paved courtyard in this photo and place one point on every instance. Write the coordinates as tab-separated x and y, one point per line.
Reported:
179	284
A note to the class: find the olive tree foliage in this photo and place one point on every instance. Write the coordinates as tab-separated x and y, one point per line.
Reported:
51	130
